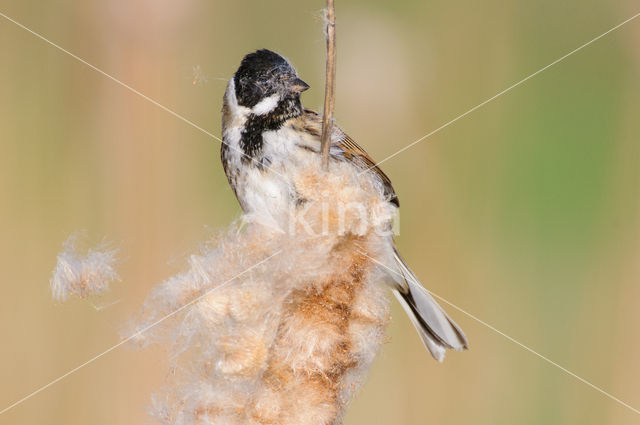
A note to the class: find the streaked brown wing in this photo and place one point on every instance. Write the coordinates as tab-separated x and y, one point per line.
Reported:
345	148
354	153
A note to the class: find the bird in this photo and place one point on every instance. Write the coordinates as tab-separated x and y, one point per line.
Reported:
266	130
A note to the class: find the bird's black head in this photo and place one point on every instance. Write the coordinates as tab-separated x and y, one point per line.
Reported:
264	73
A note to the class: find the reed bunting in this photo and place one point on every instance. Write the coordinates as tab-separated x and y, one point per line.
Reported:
266	130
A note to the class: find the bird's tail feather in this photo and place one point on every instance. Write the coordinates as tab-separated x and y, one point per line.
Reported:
436	329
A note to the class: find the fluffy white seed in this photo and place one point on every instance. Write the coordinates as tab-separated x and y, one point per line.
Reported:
82	274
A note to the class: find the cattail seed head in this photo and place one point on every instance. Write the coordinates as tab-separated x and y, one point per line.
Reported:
288	341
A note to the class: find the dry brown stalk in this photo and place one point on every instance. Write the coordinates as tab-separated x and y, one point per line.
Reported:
330	83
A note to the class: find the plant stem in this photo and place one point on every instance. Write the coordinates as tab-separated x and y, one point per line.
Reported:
330	84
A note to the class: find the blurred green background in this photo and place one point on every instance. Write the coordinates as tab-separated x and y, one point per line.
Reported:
524	213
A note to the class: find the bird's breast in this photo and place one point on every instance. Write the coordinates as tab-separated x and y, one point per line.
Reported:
262	183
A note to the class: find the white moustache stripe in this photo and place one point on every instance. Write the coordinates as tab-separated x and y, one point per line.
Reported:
266	105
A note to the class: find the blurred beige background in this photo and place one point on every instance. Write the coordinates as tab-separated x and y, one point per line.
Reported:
524	213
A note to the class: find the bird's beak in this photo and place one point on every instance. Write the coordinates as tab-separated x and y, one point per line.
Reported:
297	85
